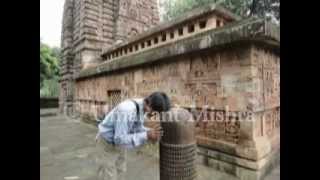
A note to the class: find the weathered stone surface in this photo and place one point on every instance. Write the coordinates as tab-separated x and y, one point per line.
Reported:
243	169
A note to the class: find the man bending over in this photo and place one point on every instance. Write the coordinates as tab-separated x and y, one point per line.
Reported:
122	129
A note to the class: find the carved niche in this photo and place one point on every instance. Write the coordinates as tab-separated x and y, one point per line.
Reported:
198	68
271	121
219	125
271	80
153	79
202	79
131	8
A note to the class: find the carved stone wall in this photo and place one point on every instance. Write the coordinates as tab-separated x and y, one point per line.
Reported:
66	80
266	76
220	87
135	16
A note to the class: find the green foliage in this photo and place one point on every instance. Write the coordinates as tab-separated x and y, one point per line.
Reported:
50	88
243	8
49	71
49	63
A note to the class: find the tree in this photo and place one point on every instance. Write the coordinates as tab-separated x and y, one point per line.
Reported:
56	53
266	8
243	8
49	63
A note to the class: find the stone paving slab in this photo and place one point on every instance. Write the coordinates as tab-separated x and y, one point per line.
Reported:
67	151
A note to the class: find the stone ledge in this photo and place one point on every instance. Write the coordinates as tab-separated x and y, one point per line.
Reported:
252	150
240	168
246	163
247	31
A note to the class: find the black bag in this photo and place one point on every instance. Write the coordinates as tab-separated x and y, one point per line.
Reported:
137	107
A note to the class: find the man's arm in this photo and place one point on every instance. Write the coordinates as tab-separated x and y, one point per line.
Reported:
145	128
122	135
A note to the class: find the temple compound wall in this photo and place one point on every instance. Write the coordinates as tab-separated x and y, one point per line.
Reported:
224	69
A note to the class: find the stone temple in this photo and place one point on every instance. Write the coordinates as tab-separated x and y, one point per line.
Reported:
224	69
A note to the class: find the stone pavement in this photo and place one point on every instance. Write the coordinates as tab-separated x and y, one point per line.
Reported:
67	152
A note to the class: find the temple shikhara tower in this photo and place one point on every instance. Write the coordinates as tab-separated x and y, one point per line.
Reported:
223	69
91	25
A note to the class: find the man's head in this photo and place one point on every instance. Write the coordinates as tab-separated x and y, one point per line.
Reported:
156	102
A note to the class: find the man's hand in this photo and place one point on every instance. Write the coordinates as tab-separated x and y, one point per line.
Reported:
155	134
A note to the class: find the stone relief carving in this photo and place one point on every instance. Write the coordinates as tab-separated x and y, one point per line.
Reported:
187	86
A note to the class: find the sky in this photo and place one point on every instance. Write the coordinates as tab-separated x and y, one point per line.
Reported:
51	12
